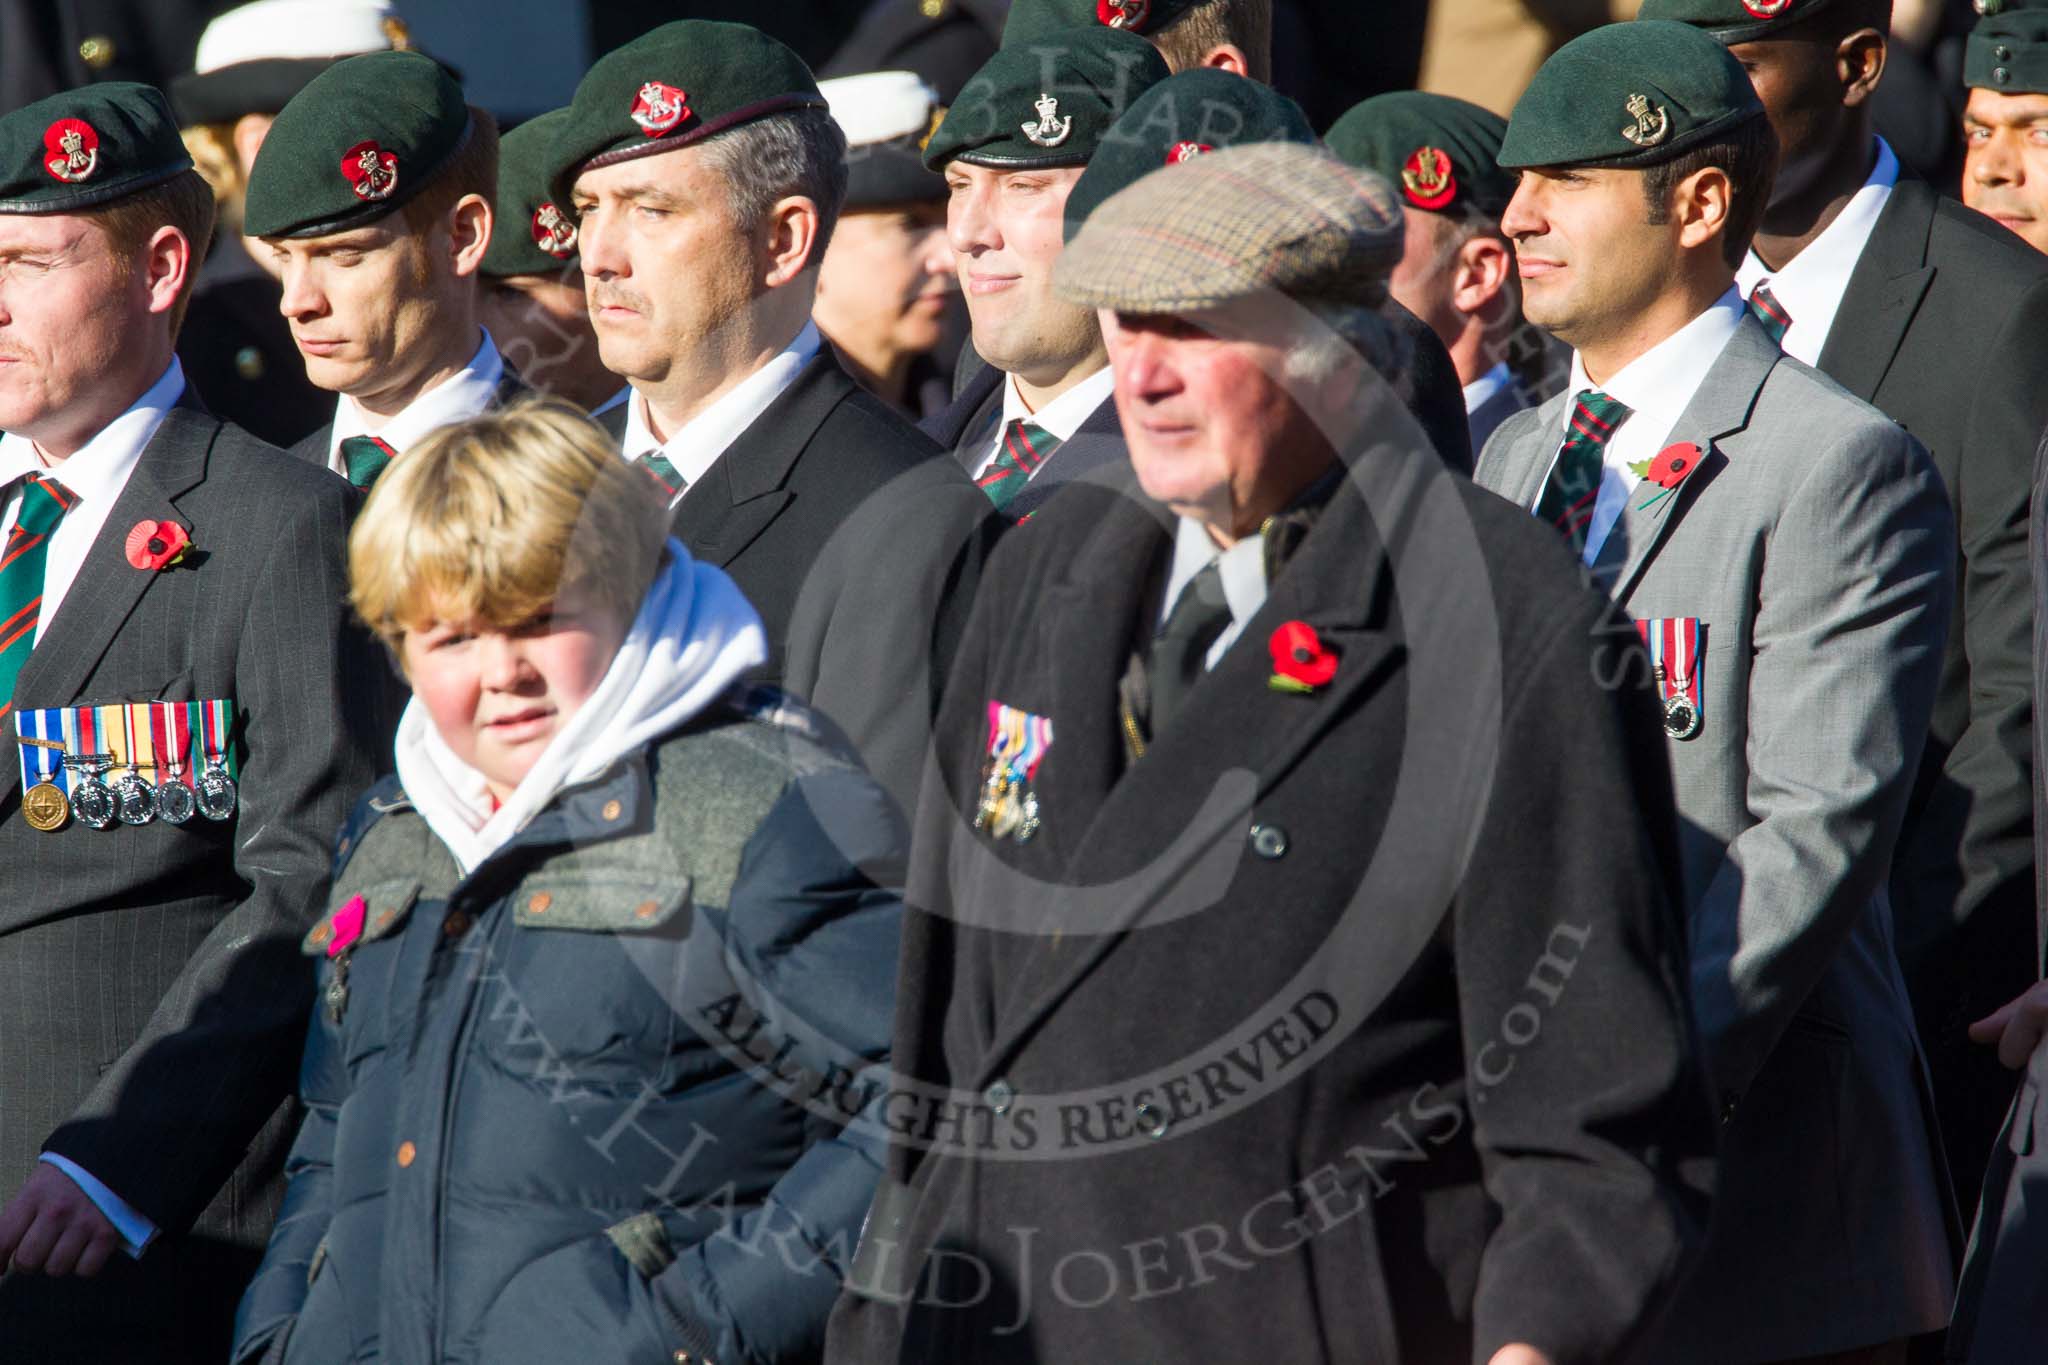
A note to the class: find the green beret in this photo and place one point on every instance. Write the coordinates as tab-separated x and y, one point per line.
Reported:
1734	21
1047	102
1442	152
1629	95
674	87
2008	50
1267	216
529	234
1182	117
364	136
87	146
1031	20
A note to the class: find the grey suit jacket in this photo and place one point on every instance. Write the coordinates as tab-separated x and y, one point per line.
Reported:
1814	543
152	998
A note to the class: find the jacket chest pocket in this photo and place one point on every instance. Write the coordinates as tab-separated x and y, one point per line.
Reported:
590	975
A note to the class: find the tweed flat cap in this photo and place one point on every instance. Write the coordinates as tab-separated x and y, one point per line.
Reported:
1047	102
1734	21
364	137
2008	49
530	235
1629	95
672	88
1184	116
85	147
1443	152
1033	19
1235	223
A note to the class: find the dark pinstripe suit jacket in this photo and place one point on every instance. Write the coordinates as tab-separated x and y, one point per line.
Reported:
153	1002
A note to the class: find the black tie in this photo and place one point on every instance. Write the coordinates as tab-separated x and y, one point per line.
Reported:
1179	650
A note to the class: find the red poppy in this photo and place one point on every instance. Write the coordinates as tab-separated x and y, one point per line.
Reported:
1674	465
348	926
155	545
1301	661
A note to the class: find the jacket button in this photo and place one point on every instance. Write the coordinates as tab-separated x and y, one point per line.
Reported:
645	910
97	52
2002	53
540	902
1269	841
457	924
2000	75
406	1152
1000	1097
1152	1121
612	810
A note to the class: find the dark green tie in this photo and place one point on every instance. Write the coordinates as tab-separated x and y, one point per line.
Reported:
365	457
660	469
1025	447
1574	483
1770	312
1180	650
43	504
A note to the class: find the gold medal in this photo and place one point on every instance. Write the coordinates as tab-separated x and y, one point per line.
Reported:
45	807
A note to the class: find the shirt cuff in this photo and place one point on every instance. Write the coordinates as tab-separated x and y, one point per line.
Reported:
136	1231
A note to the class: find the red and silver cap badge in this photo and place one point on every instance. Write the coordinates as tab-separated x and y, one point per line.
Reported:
372	172
1767	9
553	232
71	150
1130	14
1428	179
659	108
1186	151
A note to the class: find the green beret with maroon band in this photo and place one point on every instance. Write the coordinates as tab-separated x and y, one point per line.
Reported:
530	234
86	147
1046	103
1441	152
1735	21
672	88
362	139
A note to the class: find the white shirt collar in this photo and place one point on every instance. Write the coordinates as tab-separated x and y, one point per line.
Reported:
1062	417
695	446
461	395
1242	568
100	468
1485	387
1811	284
1658	384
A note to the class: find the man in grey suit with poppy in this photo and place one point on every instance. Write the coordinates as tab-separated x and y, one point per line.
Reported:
1789	556
152	1004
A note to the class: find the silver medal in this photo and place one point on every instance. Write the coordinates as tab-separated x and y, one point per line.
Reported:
174	802
92	801
1681	717
217	795
134	800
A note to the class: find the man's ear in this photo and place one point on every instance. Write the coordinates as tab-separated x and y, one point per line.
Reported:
1701	205
1859	65
1479	276
469	233
789	240
166	266
1228	57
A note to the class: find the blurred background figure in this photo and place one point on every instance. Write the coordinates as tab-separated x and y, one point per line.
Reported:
532	299
52	45
944	41
2005	125
888	285
237	348
1485	51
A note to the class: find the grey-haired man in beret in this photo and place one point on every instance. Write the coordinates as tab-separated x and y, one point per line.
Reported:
1789	556
1193	1072
183	733
1939	320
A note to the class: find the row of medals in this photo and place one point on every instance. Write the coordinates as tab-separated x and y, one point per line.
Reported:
129	800
1009	807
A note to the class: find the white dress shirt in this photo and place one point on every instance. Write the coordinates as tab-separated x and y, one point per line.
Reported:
95	474
1811	285
1242	568
696	445
457	398
1657	386
1485	387
1060	418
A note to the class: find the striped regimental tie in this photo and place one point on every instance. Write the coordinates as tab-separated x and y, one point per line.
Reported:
658	467
364	457
1026	447
1574	483
44	502
1770	312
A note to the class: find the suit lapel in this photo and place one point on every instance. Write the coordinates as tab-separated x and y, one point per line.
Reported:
1721	406
1528	466
108	588
1884	290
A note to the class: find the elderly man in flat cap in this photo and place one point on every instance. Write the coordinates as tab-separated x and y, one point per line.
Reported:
183	737
1789	555
1245	1007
